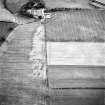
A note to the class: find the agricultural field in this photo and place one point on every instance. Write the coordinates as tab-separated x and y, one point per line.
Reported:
76	25
17	83
14	6
75	62
67	3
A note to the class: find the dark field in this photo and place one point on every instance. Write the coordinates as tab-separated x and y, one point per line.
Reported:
5	29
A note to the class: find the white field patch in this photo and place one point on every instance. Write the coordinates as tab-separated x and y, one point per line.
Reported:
76	53
38	54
